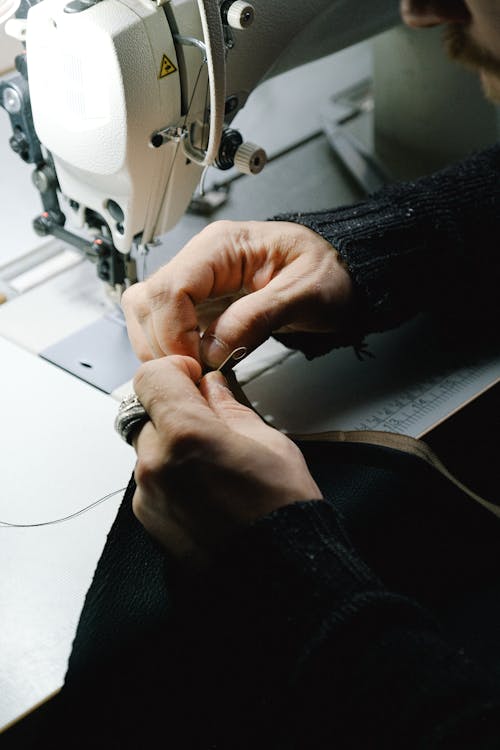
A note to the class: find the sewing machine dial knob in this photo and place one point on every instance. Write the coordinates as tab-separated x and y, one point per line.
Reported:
250	158
240	15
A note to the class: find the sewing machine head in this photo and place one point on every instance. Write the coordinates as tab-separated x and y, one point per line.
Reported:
130	100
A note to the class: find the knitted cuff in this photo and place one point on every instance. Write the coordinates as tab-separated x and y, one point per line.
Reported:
417	245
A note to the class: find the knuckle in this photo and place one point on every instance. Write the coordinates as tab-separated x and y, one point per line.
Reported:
262	320
157	291
219	233
147	469
188	445
219	227
140	504
132	296
143	374
164	295
128	296
257	319
134	301
181	457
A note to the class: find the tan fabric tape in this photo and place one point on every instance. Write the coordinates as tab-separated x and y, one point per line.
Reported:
403	443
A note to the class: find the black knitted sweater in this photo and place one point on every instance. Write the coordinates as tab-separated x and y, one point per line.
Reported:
430	245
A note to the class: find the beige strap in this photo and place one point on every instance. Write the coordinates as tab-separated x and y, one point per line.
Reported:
394	440
403	443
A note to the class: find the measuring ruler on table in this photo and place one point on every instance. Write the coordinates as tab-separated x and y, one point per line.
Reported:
418	409
409	386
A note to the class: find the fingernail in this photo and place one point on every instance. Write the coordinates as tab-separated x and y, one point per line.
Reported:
213	350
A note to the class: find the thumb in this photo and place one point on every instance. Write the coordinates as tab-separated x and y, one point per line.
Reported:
248	322
235	415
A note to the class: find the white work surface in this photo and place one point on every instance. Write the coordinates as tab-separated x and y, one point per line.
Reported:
58	448
59	453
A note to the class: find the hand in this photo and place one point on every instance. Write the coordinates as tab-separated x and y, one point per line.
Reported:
206	464
284	277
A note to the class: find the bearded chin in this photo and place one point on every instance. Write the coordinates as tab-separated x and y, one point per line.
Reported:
455	42
462	49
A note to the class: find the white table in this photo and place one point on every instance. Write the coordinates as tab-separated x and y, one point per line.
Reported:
58	453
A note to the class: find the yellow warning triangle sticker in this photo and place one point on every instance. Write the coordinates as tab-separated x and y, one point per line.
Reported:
167	67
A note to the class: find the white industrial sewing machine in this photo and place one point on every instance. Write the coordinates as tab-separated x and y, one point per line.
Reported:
121	104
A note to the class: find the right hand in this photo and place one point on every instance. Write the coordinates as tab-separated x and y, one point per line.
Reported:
290	277
206	464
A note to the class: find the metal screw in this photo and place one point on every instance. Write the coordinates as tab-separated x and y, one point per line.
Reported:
11	101
40	180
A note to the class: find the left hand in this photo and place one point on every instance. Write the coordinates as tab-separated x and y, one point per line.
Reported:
239	282
206	464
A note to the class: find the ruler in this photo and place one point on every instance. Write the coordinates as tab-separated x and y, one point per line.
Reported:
418	409
411	384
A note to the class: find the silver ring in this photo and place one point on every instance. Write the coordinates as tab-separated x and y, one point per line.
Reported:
131	415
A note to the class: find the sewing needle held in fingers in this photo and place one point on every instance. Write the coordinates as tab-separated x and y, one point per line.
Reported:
235	356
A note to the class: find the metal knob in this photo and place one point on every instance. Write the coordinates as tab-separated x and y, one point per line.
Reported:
240	15
250	158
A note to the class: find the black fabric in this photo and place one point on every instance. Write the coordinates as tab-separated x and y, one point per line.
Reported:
138	666
416	531
128	597
421	535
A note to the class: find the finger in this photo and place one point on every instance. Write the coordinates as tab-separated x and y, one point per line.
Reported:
235	415
143	337
251	320
147	317
208	267
245	422
167	388
153	508
130	299
143	344
307	292
247	322
145	439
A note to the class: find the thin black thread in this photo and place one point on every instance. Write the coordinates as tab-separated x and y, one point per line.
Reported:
8	525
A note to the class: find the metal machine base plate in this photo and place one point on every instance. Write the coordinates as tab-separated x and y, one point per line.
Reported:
100	354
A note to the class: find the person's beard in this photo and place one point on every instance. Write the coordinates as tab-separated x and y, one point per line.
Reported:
463	49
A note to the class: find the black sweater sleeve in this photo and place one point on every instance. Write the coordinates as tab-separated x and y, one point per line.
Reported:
425	245
309	650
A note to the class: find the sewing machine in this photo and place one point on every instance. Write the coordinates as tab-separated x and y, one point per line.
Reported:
121	106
